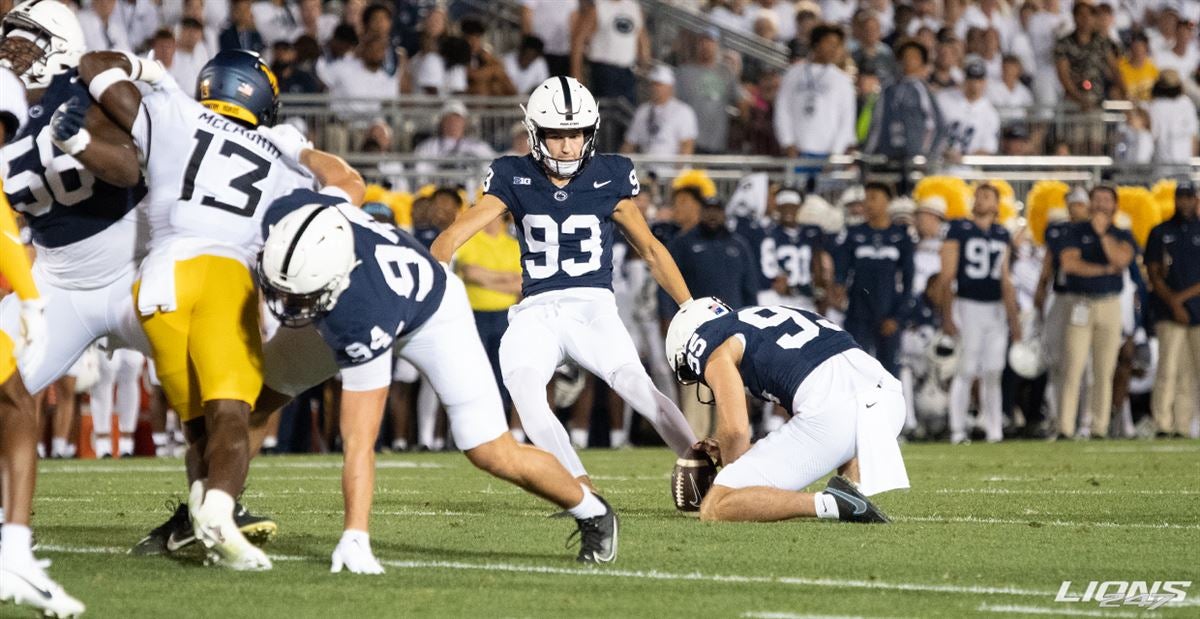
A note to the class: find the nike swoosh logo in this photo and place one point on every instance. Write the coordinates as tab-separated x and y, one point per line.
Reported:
174	544
872	404
860	506
42	592
598	184
695	491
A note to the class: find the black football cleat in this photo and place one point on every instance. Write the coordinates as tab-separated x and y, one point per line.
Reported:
258	529
853	506
169	536
597	536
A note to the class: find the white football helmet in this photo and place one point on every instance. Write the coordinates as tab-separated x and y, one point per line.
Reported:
943	357
683	325
561	103
1025	358
305	263
51	26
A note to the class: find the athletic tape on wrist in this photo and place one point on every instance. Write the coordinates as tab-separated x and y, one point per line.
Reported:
75	144
105	80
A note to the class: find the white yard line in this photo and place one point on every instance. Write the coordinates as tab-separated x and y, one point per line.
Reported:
754	614
1047	523
177	466
1054	610
1066	492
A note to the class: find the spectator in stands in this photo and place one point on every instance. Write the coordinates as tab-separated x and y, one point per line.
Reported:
867	89
293	76
663	125
241	32
815	116
552	21
445	72
874	273
485	72
1015	141
1086	61
191	53
1182	54
318	24
451	140
378	22
907	121
808	16
1173	121
341	45
972	123
417	18
925	17
162	45
197	10
519	146
867	46
1043	30
710	88
783	13
103	28
1137	69
1171	260
1008	95
277	20
758	128
141	20
947	61
736	15
988	14
1135	142
429	37
1094	258
526	67
612	37
359	82
1162	32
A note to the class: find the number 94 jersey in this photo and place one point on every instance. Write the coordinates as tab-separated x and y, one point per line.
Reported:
782	346
566	233
210	178
981	255
396	287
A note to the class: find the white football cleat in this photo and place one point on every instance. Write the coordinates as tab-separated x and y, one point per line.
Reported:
353	552
214	527
29	585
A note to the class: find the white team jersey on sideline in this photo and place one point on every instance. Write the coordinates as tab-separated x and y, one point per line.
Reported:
210	178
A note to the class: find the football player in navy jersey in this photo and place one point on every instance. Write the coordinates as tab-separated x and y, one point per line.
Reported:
791	256
847	411
983	306
369	289
875	266
565	200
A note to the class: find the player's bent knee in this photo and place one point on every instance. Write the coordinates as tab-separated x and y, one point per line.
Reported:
712	508
496	457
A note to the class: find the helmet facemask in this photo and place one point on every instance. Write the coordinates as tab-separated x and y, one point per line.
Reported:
295	309
560	168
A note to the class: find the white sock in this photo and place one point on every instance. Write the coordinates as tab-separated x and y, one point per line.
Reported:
579	437
218	503
397	445
159	438
351	535
58	447
518	435
270	442
589	507
16	547
826	506
125	445
101	444
617	438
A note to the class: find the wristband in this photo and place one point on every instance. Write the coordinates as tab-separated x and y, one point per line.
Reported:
105	80
75	144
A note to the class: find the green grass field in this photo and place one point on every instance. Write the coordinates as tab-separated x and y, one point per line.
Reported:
987	530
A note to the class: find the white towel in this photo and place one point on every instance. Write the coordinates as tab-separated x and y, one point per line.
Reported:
881	415
157	290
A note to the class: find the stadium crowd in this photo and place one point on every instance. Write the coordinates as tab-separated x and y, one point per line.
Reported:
1102	346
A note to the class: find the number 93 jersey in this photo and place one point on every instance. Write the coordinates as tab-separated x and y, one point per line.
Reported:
566	233
782	346
981	255
210	178
395	288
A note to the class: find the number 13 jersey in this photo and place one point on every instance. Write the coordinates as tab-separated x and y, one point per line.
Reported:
566	233
210	178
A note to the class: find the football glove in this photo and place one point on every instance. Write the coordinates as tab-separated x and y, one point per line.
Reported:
67	126
354	553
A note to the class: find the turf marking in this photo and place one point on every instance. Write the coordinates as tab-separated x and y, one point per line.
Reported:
778	615
1054	610
1066	492
1048	523
258	464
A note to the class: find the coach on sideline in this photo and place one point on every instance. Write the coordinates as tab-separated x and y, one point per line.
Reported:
1173	261
1094	258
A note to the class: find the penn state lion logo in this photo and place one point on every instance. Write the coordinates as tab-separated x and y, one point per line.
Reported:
623	24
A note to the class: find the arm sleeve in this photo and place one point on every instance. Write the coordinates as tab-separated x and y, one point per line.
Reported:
14	262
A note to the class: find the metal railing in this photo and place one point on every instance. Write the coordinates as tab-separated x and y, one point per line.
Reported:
667	20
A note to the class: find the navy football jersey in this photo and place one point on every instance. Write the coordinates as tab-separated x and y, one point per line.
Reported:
790	252
62	202
1083	237
981	255
782	346
1176	245
426	235
1055	235
395	288
566	233
876	266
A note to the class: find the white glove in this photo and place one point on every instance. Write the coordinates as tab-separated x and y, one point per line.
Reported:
287	139
354	553
30	348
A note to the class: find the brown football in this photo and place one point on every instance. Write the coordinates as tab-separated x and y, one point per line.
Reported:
691	479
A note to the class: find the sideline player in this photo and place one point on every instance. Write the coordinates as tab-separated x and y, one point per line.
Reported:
847	411
975	257
196	294
565	199
22	579
371	289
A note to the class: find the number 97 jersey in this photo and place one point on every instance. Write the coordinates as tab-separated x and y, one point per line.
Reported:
981	255
210	178
566	233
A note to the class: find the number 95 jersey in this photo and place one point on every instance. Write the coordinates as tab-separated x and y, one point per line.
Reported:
566	233
210	178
